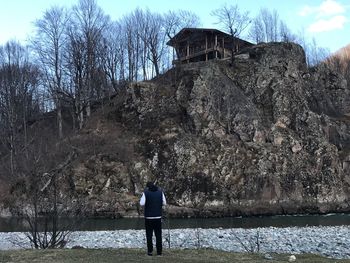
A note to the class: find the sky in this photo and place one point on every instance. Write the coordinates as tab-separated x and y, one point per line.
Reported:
325	21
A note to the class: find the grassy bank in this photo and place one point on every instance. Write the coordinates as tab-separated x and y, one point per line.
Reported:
137	255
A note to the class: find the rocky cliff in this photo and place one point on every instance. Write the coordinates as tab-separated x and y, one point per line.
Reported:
265	135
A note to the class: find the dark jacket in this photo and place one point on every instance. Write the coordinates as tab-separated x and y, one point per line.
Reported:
154	202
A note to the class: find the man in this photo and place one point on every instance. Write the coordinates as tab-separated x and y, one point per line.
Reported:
153	199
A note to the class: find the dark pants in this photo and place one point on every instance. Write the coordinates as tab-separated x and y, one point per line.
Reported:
156	226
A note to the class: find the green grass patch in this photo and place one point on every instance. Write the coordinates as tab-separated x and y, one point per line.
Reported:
138	255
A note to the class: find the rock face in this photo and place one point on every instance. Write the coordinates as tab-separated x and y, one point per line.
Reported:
265	135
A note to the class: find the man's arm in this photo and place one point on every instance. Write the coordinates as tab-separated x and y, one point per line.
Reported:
143	199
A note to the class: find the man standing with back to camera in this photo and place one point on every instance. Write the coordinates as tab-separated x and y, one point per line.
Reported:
153	199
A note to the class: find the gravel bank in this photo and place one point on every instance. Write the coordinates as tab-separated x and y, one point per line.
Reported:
327	241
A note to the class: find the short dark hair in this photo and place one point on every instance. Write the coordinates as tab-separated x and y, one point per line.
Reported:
149	184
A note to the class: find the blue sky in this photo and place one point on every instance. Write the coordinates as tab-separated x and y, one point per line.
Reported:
327	21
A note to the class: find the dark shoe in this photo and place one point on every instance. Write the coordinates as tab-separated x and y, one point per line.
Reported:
149	254
159	255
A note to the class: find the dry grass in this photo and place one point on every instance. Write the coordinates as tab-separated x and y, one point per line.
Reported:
138	255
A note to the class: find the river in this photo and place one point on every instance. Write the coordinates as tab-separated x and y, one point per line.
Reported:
94	224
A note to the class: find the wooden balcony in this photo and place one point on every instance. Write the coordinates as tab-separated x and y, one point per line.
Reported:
209	53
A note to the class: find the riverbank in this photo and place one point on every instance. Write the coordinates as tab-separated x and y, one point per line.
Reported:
330	242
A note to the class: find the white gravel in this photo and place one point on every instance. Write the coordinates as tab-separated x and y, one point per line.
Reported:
330	241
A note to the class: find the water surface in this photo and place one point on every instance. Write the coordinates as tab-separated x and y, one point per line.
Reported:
93	224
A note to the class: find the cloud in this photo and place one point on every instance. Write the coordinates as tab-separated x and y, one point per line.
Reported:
330	7
307	10
324	25
327	16
327	8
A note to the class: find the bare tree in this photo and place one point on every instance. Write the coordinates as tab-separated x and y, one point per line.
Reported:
256	32
251	243
38	195
142	29
18	82
84	62
89	22
232	21
48	44
271	22
174	21
136	52
128	30
141	43
155	41
286	34
114	59
265	27
74	63
316	54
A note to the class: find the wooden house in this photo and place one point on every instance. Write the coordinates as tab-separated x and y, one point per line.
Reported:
203	44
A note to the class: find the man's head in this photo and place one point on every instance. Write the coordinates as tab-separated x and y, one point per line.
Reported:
151	186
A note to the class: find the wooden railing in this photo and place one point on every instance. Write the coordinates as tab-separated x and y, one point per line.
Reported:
224	53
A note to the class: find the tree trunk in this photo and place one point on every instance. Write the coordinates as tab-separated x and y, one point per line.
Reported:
88	108
59	120
55	213
81	117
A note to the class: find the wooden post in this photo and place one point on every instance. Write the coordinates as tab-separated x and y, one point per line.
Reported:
188	51
223	47
216	46
206	47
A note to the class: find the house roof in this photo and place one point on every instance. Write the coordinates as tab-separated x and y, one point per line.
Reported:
184	33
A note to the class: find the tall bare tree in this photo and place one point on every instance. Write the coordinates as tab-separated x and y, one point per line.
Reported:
18	82
316	54
48	45
232	21
142	23
265	26
154	39
74	63
286	35
132	38
174	21
268	27
113	57
89	22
